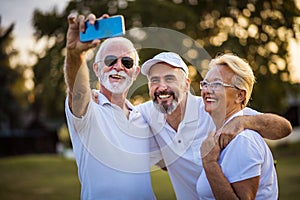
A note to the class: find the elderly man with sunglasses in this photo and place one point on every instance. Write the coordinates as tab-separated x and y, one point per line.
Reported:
110	138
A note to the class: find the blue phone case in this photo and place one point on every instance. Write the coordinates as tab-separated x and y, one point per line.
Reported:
104	28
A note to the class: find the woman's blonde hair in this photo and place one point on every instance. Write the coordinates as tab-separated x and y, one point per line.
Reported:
244	78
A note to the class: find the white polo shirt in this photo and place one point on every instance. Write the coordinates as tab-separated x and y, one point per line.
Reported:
111	151
181	150
246	156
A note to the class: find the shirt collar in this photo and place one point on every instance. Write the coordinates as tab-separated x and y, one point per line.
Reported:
158	119
191	105
103	100
239	113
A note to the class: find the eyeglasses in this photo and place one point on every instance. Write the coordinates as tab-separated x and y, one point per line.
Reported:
110	60
216	85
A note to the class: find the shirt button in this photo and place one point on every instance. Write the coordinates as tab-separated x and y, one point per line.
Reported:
179	141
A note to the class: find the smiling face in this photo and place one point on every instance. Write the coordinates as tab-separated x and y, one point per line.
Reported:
167	87
115	76
222	102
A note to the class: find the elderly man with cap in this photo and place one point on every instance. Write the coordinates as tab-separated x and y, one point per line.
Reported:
180	123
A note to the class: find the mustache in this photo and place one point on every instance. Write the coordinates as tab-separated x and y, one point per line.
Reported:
120	73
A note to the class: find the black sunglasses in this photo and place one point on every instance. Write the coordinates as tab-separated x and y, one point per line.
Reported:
110	60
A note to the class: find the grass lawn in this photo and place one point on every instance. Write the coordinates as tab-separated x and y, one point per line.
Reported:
288	170
53	177
35	177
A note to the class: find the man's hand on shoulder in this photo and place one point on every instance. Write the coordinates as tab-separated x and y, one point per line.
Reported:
229	131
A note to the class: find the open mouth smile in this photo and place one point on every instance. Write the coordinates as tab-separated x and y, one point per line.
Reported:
116	76
164	96
210	100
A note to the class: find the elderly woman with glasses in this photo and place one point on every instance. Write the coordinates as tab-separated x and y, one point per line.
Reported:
244	168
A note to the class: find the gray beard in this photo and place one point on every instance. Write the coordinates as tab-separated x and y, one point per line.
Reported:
115	88
166	109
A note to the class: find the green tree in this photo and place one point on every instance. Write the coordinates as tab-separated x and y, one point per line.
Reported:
11	107
258	31
49	91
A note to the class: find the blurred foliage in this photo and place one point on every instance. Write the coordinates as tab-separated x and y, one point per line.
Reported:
12	91
64	136
258	31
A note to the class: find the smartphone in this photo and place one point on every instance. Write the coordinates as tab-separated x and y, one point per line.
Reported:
103	28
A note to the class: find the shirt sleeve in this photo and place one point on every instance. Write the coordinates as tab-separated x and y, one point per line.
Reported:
250	111
78	123
155	154
243	157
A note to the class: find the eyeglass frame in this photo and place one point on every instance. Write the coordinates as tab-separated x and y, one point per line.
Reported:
215	87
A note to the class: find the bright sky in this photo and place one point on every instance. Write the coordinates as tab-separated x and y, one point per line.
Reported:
20	12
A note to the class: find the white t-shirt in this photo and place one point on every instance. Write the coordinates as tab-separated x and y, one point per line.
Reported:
181	150
246	156
111	151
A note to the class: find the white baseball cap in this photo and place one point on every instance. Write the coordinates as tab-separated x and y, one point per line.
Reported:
167	57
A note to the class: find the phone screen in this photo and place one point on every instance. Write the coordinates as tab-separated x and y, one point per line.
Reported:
104	28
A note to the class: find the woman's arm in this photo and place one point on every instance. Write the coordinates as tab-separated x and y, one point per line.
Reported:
221	187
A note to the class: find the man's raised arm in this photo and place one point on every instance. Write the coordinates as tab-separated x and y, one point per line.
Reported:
75	69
